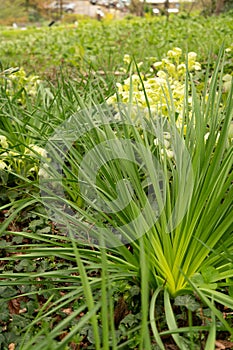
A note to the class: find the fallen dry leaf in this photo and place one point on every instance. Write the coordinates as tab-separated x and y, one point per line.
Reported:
67	311
120	311
14	306
22	311
219	346
223	344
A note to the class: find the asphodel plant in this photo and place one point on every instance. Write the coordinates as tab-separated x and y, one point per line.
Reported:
192	233
156	194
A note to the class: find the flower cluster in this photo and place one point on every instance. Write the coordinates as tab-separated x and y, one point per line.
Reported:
163	87
19	162
18	81
165	145
3	147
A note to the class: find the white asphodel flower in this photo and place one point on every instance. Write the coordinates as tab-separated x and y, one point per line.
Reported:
36	149
3	165
164	141
43	172
157	64
169	153
3	141
167	135
127	59
192	56
32	170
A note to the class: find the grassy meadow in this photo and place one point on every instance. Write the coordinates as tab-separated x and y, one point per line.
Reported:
116	185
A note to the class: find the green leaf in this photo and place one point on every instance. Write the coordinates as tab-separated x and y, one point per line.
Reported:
7	292
188	301
4	311
209	274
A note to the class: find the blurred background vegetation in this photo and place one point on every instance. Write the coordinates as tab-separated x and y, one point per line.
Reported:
36	11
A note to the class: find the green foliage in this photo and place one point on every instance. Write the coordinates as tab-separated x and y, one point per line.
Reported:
102	278
91	44
13	9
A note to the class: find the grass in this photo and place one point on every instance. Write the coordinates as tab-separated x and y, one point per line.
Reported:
102	45
108	240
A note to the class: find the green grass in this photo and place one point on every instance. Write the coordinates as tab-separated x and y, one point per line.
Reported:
102	45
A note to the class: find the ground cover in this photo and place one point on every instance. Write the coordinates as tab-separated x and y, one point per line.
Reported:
116	185
103	44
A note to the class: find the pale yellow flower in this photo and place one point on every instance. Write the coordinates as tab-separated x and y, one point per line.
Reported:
165	143
169	153
3	141
157	64
127	59
36	149
192	56
43	171
3	165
